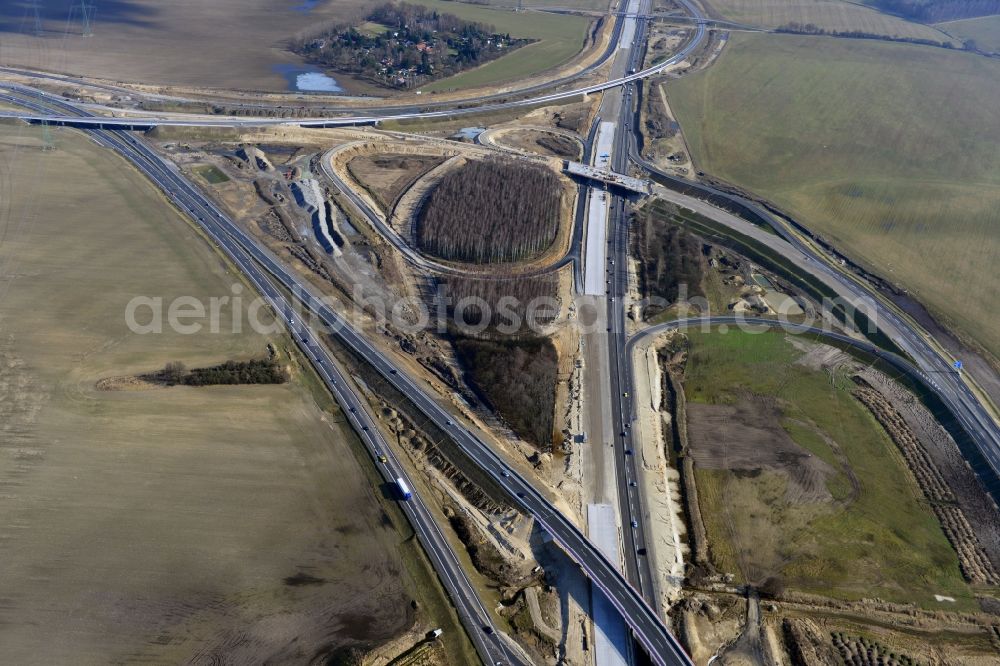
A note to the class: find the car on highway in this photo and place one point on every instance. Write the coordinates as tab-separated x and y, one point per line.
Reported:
635	523
628	452
382	458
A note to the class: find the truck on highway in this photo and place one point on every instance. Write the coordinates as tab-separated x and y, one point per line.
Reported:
403	488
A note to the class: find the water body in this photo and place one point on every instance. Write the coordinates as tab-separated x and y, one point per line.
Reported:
306	6
308	79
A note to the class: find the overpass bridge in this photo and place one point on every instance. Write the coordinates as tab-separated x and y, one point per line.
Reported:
608	177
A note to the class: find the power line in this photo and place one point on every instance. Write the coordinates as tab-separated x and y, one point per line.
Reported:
87	12
36	10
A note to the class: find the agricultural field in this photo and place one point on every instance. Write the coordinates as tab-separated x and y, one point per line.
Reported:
491	211
813	124
179	43
583	5
984	31
830	15
176	42
937	11
169	524
798	483
557	39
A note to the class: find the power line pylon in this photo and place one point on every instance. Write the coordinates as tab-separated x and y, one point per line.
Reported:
87	12
47	142
37	16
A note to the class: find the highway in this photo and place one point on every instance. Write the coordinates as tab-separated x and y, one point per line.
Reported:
903	365
493	646
409	254
142	122
634	517
646	624
415	107
932	369
966	406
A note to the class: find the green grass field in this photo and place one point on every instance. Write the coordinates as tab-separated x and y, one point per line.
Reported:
888	150
161	525
212	174
884	542
558	39
984	31
831	15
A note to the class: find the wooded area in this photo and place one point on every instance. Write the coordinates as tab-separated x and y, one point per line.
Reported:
412	46
517	379
669	257
257	371
506	301
491	211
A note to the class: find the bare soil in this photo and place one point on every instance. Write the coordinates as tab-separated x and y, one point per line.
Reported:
232	44
387	176
762	444
227	523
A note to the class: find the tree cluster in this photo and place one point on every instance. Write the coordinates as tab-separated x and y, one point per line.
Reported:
258	371
517	379
669	257
505	302
419	45
491	211
796	28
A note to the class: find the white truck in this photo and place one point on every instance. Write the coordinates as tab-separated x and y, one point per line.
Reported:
403	488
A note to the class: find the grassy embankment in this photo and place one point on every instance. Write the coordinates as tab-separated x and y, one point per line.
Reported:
888	150
557	39
170	522
868	535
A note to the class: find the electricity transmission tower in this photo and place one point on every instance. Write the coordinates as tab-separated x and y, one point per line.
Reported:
47	142
87	12
37	15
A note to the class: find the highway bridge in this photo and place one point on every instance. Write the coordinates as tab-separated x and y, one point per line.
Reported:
609	178
646	623
140	122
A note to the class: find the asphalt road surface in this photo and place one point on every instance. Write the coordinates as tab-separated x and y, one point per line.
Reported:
936	369
646	624
141	122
